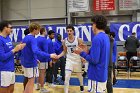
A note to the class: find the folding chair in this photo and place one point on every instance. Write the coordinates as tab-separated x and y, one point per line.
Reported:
122	64
134	64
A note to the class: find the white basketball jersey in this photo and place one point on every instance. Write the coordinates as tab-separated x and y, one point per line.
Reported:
71	56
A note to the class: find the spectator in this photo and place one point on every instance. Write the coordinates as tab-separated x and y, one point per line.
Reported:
131	45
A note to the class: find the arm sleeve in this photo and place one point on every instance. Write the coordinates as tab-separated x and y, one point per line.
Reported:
58	48
114	51
94	54
55	47
18	55
4	56
37	51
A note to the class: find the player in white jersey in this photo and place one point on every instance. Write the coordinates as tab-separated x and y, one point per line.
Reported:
73	61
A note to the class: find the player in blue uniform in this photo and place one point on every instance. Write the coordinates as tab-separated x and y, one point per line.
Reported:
43	65
29	55
98	56
7	51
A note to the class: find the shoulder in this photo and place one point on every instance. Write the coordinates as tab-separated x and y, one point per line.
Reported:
79	39
48	40
55	43
38	37
96	37
8	37
101	37
65	40
30	38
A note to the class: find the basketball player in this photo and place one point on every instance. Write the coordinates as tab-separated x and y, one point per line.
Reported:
50	70
26	32
43	65
7	74
98	56
73	61
29	56
58	46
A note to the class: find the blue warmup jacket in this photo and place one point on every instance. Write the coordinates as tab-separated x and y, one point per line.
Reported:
98	57
50	47
58	47
30	52
114	54
6	55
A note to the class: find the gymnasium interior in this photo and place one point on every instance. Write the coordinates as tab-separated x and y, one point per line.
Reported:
123	18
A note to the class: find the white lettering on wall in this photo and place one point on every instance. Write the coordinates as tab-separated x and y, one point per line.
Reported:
61	31
135	28
121	31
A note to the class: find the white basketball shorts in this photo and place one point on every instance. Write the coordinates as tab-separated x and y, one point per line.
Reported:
7	78
31	72
74	66
43	65
96	87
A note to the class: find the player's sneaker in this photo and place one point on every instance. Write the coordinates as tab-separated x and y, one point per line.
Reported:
114	81
37	86
46	84
81	89
61	82
51	85
43	90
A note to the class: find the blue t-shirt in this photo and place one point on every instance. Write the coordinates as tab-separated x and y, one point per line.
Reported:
98	57
30	52
6	55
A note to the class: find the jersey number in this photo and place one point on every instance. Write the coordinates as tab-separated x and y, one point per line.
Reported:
72	50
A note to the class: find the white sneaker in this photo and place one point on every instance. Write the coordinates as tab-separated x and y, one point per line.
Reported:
37	86
46	84
52	85
43	90
81	91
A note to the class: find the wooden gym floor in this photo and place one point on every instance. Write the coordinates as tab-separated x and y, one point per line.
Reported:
75	89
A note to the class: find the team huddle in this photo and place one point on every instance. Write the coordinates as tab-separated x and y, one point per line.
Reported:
41	57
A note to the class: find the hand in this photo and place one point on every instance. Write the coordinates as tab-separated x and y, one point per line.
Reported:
54	56
58	56
78	50
83	60
22	45
19	47
84	47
